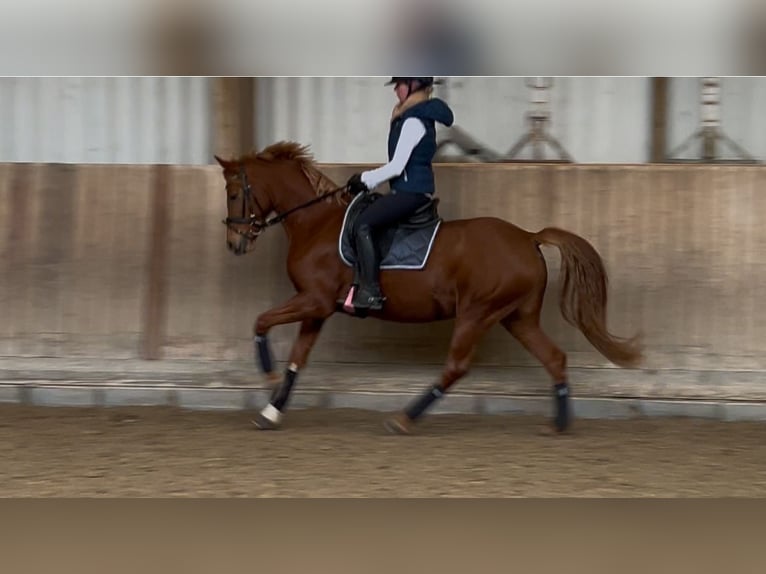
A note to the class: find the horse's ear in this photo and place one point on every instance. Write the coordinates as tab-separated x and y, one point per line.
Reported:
222	162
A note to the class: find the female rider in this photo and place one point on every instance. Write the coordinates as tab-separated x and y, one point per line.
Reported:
409	173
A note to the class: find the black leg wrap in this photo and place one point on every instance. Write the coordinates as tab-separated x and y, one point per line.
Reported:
417	408
561	393
281	393
263	353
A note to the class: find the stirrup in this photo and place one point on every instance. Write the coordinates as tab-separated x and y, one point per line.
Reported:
372	301
352	305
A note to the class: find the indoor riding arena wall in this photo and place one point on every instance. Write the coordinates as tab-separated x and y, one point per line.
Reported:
123	261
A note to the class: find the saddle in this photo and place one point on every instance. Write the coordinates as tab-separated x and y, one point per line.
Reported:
424	216
405	245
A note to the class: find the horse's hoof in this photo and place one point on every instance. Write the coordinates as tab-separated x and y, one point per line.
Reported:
398	425
262	423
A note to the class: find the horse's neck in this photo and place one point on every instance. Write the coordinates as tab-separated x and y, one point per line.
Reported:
305	221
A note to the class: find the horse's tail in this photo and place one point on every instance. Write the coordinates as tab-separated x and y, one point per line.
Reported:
583	298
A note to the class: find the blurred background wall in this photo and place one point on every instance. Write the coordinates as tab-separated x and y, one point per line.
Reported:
150	120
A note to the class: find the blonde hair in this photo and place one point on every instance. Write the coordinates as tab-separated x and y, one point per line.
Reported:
416	98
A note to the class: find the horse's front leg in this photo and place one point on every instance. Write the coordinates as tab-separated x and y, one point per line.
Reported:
300	307
312	317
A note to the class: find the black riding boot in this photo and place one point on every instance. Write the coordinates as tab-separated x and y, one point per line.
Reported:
368	294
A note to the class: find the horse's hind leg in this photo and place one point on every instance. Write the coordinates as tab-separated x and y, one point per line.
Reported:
465	338
526	328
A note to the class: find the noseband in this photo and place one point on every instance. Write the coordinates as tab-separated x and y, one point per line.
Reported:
256	224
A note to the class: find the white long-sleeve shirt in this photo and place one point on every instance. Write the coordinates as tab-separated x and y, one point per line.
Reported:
412	132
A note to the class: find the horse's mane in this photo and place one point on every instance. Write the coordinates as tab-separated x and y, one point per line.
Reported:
283	150
293	151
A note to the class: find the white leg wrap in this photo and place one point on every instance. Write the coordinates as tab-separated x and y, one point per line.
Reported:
271	413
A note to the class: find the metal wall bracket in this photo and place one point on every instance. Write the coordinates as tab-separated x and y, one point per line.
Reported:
710	134
537	136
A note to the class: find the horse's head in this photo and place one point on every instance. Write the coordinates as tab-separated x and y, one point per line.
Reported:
246	207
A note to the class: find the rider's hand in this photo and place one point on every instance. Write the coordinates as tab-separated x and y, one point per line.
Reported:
355	184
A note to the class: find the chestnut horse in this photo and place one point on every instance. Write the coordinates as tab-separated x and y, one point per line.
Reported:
480	271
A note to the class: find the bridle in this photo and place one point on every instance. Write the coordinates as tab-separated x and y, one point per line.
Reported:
257	224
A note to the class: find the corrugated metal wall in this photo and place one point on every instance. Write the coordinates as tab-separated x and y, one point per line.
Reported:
346	119
169	120
597	120
105	120
742	112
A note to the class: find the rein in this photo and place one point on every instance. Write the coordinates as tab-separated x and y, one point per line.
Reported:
256	225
